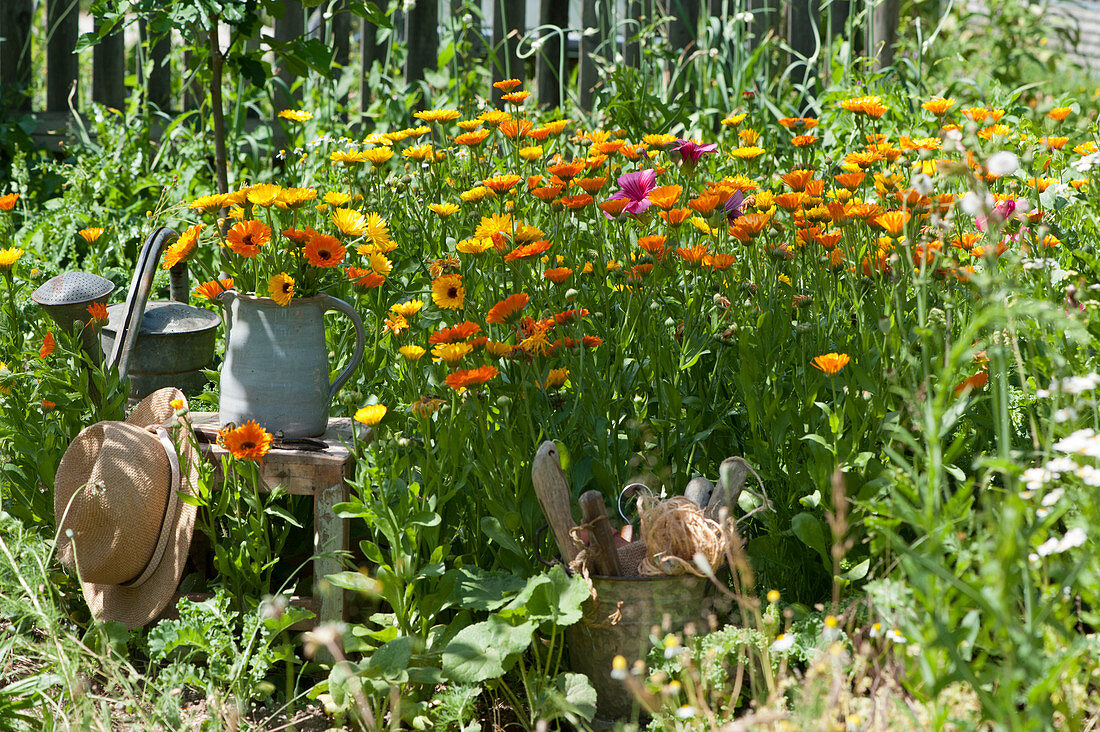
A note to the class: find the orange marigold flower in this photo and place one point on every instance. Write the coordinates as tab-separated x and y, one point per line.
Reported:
565	171
938	105
577	202
613	207
464	378
863	211
830	363
892	222
568	316
98	311
438	115
1058	114
665	196
973	383
395	324
590	185
803	140
323	250
454	334
48	345
675	216
797	179
851	181
364	278
501	183
640	271
250	441
507	309
246	238
719	261
182	248
704	204
210	290
7	201
526	251
507	85
558	275
693	255
472	139
516	98
91	235
790	201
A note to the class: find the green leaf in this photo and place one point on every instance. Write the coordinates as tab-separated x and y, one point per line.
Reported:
492	528
577	696
355	581
476	589
857	572
810	532
554	596
485	650
392	659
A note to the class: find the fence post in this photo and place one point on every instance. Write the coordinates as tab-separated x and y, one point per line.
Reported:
109	70
590	41
765	18
883	30
61	60
422	39
158	86
15	53
341	42
550	69
507	29
683	28
802	18
638	13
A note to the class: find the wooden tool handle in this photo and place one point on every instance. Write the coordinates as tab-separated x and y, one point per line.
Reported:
552	490
605	558
731	481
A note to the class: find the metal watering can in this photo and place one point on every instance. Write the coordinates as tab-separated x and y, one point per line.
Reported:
155	344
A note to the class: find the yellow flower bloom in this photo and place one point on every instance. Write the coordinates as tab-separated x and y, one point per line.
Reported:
295	197
831	363
377	139
474	245
422	153
377	233
281	288
411	353
371	415
531	153
747	152
438	115
443	209
182	248
349	221
556	378
379	155
348	157
475	194
336	198
734	120
452	353
380	264
448	292
407	308
263	194
296	115
8	258
208	204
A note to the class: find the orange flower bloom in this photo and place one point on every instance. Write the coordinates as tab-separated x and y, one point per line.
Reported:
250	441
704	204
454	334
98	311
693	255
654	244
666	196
501	183
793	123
565	171
507	309
568	316
507	85
48	345
892	222
448	292
472	139
675	216
831	363
938	105
863	210
973	383
364	278
7	202
719	261
91	235
558	275
210	290
516	97
1059	114
790	201
246	238
613	207
803	140
590	185
851	181
463	378
577	202
526	251
182	248
797	179
323	250
547	194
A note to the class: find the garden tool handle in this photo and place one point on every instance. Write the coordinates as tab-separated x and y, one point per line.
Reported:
601	547
335	303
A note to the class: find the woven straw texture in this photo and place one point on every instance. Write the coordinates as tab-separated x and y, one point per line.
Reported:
118	517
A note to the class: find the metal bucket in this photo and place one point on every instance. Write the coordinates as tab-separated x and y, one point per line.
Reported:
642	604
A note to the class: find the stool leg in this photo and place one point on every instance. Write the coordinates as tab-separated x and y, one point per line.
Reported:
330	533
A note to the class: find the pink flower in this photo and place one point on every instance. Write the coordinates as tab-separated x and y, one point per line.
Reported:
690	151
635	188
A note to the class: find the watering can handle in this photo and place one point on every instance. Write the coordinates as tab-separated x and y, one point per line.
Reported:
335	303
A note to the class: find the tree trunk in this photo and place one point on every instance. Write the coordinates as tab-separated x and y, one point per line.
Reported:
217	111
640	14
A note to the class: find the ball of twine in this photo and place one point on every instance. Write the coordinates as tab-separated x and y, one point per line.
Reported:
675	530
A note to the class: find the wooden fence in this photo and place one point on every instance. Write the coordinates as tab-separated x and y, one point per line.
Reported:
419	28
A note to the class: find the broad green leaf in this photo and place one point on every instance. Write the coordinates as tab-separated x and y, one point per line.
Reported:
393	658
485	650
476	589
808	529
355	581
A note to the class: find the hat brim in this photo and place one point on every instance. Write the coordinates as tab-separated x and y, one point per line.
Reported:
140	605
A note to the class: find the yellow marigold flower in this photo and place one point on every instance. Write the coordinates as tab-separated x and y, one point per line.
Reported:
475	194
469	125
379	263
475	245
1086	148
556	378
377	232
938	105
421	153
378	155
408	308
208	204
830	363
748	137
472	139
443	209
348	157
659	140
336	198
438	115
371	415
452	353
747	152
526	233
411	353
183	247
531	153
448	292
734	120
495	224
377	138
501	183
281	288
494	117
8	258
290	198
250	441
296	115
90	235
349	221
263	194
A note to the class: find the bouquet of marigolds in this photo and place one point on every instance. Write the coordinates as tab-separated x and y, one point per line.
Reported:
283	242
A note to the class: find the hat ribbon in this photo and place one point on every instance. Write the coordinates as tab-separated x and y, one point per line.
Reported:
169	510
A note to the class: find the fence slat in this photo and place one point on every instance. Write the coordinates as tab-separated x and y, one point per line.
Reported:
684	26
287	28
422	37
109	71
15	51
802	18
158	86
507	29
639	12
550	69
586	75
61	60
341	41
883	31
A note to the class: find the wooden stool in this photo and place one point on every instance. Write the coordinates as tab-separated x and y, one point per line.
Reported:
323	474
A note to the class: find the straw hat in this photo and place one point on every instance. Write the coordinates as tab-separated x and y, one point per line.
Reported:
121	525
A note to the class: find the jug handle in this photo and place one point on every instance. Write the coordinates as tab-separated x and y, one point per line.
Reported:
335	303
